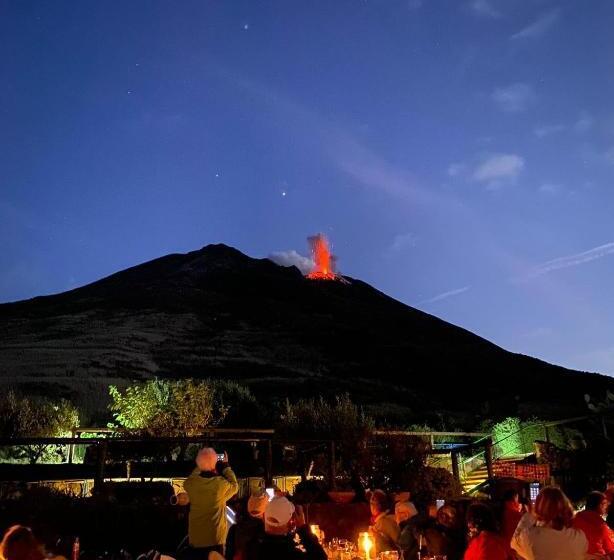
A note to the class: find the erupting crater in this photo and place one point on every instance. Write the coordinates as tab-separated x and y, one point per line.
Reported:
324	261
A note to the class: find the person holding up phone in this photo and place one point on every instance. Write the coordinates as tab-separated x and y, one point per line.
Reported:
208	491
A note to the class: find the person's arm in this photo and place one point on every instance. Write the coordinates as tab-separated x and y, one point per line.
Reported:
313	549
520	541
606	539
230	486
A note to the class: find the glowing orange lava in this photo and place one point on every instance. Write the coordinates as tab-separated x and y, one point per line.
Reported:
324	261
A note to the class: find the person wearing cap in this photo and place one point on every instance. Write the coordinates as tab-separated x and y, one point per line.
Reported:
248	528
280	520
208	492
405	514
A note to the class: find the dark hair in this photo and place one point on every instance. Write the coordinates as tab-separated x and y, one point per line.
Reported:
510	494
380	498
481	516
20	544
553	508
594	499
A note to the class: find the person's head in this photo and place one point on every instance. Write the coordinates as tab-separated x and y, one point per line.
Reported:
378	502
553	508
598	502
403	511
511	499
20	544
446	516
278	516
480	518
256	505
206	460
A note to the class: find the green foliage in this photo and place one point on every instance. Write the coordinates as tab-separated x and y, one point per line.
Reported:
433	483
167	407
318	418
35	417
339	419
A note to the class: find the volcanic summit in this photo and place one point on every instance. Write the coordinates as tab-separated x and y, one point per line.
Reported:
216	312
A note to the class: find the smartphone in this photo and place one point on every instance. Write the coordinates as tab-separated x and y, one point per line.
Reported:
439	503
270	492
220	456
533	491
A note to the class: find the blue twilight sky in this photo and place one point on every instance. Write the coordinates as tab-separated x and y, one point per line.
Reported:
459	154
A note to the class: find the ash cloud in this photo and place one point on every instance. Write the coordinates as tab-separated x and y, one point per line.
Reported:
292	258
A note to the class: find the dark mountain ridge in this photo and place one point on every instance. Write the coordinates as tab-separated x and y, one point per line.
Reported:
216	312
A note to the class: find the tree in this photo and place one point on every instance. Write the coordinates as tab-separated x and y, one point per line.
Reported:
340	420
184	407
22	416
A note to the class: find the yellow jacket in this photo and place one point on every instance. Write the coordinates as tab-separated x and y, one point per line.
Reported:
208	496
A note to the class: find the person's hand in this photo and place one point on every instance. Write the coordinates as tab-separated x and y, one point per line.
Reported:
225	459
299	517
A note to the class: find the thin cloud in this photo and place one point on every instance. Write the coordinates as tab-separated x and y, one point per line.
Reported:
549	188
571	260
456	169
484	8
584	123
538	27
544	130
292	258
445	295
499	168
514	98
401	242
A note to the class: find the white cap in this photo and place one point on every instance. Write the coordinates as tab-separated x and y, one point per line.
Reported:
408	507
278	512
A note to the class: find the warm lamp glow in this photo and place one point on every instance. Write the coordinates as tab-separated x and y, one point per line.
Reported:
365	544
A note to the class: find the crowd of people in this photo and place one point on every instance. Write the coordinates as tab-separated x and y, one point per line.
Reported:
275	528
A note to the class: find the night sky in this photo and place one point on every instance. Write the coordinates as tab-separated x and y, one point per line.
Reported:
458	154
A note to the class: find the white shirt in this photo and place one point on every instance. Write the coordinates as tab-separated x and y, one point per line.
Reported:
534	542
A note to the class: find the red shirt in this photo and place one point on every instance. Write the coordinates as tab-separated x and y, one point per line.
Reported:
486	546
511	518
596	530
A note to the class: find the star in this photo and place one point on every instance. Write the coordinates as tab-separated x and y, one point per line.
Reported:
246	26
129	92
217	175
283	193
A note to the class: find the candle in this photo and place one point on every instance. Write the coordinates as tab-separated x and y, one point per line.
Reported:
315	529
365	544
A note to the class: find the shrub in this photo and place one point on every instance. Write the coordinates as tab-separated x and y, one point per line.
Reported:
36	417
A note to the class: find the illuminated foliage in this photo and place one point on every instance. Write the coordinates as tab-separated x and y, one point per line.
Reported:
35	417
167	407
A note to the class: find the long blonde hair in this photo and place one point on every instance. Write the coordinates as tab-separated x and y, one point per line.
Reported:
553	508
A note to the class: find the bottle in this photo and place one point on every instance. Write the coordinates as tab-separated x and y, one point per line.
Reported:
76	549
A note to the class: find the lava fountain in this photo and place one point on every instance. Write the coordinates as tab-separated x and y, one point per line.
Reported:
324	260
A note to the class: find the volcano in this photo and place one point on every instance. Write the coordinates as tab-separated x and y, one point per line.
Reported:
216	312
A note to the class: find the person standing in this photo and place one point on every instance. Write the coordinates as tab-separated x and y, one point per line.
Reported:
209	491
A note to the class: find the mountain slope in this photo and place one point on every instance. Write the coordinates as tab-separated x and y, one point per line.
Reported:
218	312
